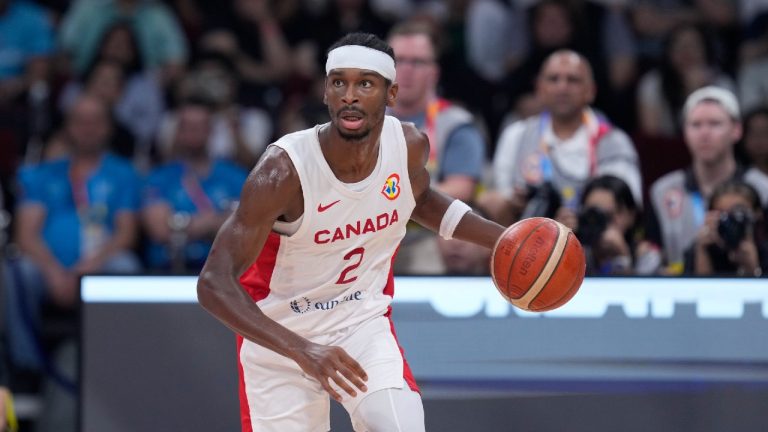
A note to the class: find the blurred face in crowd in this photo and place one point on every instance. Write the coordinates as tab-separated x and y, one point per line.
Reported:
89	125
732	200
710	132
552	27
463	258
119	45
565	85
756	138
417	71
687	49
193	130
604	200
106	82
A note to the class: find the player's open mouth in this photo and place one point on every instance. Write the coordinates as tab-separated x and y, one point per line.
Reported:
351	120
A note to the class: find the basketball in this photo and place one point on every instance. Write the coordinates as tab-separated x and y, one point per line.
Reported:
538	264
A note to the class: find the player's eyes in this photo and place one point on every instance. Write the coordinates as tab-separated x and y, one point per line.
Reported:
337	83
366	84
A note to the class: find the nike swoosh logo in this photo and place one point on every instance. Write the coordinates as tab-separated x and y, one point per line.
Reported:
321	208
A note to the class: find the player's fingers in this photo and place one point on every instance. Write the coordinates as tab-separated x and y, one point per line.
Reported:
353	377
341	382
354	366
327	386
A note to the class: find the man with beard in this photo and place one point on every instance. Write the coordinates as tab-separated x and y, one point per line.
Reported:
302	270
543	162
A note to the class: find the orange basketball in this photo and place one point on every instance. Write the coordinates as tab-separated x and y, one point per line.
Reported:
538	264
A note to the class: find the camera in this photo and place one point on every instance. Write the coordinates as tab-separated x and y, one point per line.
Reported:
543	200
592	223
733	226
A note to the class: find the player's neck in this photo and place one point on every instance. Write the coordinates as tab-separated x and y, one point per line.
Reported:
710	174
350	160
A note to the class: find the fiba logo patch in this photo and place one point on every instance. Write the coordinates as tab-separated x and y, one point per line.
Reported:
301	306
391	189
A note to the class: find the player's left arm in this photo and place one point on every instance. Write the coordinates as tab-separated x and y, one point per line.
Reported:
431	205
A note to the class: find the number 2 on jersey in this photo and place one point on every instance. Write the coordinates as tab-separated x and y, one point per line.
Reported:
344	278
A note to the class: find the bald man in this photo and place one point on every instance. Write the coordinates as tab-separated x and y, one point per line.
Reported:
543	162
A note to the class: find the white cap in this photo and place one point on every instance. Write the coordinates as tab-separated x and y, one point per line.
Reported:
719	95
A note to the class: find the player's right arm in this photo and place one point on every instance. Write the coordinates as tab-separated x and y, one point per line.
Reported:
272	189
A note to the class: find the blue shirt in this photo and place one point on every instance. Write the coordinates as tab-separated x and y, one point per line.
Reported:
25	32
112	188
463	152
165	184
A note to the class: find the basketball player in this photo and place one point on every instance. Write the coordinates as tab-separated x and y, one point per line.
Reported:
302	269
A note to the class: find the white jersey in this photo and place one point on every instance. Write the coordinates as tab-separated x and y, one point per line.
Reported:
335	270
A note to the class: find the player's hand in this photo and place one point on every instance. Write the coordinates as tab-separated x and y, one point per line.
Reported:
326	363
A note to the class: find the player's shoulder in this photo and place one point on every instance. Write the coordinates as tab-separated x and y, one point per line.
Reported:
417	143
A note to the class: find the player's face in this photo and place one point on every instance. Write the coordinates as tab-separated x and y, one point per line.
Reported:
565	86
357	99
417	71
710	132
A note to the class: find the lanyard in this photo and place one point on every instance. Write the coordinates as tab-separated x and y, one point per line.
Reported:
697	204
595	135
195	191
430	124
80	194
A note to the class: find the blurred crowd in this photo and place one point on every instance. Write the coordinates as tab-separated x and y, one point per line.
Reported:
127	128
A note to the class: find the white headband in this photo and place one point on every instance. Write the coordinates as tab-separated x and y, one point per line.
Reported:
360	57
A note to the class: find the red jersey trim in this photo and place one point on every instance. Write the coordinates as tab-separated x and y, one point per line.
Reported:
255	281
389	290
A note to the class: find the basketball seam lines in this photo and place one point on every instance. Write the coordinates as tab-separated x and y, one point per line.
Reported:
542	279
567	238
514	257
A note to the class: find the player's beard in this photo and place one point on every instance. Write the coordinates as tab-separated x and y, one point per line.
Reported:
363	132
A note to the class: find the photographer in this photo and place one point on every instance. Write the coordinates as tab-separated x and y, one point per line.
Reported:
606	228
732	240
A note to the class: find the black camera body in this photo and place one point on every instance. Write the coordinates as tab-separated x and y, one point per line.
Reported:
543	201
592	223
733	227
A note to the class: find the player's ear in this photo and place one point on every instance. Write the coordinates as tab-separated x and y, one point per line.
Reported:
325	93
392	94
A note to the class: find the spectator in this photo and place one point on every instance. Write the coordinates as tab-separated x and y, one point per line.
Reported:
461	258
139	101
756	149
712	127
186	200
26	44
555	153
607	228
106	81
731	241
457	148
161	40
600	34
253	38
689	63
75	215
240	134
